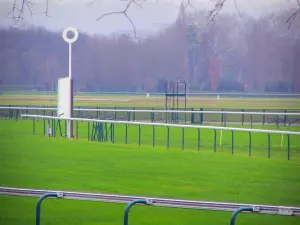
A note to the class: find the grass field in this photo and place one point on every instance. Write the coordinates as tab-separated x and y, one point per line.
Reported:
154	101
30	161
35	161
176	140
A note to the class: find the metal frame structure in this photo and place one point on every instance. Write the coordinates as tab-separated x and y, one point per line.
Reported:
174	90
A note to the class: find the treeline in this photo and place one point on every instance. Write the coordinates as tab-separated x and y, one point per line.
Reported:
255	54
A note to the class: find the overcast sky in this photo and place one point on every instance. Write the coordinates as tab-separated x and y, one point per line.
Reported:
153	15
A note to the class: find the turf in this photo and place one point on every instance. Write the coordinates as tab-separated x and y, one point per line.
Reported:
178	138
29	161
154	101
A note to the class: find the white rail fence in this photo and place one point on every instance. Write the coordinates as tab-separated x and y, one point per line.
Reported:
182	126
158	111
178	116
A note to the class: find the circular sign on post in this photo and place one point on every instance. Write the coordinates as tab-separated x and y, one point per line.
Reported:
65	37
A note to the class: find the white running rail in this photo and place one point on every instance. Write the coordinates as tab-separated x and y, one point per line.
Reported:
163	124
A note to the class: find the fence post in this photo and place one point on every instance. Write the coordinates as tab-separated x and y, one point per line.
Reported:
130	204
26	111
65	128
153	136
33	126
232	144
269	145
222	117
48	128
192	116
182	145
133	114
76	129
289	151
285	118
44	122
236	212
54	128
88	130
198	139
251	120
201	116
215	140
139	135
250	143
128	116
168	137
10	112
243	117
152	116
113	133
38	206
126	133
264	116
17	114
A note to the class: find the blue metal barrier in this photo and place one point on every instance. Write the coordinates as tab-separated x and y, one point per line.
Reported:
38	206
139	201
235	213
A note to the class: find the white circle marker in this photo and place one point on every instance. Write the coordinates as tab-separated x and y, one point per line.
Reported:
65	37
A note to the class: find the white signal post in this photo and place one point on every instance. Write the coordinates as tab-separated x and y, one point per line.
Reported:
70	41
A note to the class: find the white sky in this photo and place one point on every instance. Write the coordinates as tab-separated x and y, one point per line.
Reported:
153	15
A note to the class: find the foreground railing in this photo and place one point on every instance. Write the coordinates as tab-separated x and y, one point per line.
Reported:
99	130
133	200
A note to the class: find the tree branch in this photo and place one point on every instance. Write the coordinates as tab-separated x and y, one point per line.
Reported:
17	11
123	12
218	6
189	3
294	15
19	8
237	8
46	9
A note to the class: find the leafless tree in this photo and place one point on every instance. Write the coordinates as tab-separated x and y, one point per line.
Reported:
21	6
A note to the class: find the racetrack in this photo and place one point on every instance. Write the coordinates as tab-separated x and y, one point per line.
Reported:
155	101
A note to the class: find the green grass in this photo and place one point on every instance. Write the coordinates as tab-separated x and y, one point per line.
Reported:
176	140
154	101
29	161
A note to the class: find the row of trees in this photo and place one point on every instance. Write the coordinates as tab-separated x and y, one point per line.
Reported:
256	55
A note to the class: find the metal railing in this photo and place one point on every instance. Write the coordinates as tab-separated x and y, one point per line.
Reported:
191	116
99	128
133	200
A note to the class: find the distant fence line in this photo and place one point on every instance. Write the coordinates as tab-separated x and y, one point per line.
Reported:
96	131
191	94
158	111
193	116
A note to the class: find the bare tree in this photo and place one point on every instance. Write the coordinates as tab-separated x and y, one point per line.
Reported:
21	6
219	4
